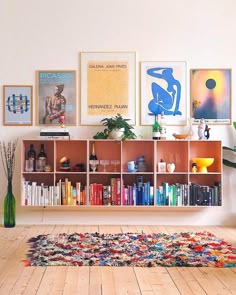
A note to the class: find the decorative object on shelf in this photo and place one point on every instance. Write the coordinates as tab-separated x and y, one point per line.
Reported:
131	166
226	162
170	167
48	168
163	126
62	120
42	157
194	167
8	161
207	132
184	249
190	128
79	167
29	165
180	136
116	128
104	163
64	164
141	164
31	155
203	163
93	156
115	163
93	164
156	129
201	129
162	166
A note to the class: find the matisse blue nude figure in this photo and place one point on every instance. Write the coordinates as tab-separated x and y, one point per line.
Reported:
167	99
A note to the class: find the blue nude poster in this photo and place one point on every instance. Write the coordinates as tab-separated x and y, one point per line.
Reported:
163	89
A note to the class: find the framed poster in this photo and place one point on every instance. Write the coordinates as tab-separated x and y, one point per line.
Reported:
163	89
17	105
108	86
56	97
210	95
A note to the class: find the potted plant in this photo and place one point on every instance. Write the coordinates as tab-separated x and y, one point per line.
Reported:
116	128
228	162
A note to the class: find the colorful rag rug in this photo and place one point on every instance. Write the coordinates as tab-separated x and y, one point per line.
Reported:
131	249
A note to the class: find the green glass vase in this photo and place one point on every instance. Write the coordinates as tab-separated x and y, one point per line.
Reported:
9	207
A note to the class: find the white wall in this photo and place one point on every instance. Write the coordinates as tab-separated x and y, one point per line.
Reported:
49	34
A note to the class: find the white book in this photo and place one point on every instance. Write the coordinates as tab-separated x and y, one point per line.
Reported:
33	193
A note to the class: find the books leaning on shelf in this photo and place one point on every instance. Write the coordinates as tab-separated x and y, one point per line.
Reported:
63	193
188	195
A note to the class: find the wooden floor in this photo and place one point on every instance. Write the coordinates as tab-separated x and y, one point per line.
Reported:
15	278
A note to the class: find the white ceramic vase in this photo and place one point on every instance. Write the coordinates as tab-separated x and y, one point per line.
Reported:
170	167
116	134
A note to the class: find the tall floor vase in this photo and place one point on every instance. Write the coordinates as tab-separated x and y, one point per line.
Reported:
9	207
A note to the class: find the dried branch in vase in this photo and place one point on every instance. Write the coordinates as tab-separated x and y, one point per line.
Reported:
8	157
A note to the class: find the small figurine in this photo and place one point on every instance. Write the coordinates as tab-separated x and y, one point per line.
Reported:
194	167
207	132
62	120
201	129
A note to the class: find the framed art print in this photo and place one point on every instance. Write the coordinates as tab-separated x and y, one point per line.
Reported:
211	95
163	89
56	97
17	105
108	86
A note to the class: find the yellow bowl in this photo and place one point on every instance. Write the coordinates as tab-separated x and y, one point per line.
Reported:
203	163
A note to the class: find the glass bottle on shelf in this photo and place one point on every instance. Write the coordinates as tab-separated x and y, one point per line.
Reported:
156	135
163	126
93	157
42	158
31	155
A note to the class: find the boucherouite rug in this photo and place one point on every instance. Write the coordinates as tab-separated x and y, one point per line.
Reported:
131	249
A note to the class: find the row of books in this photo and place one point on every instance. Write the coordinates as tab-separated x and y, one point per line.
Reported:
116	193
188	194
63	193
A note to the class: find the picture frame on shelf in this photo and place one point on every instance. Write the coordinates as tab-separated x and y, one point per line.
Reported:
210	95
56	97
17	105
108	86
163	89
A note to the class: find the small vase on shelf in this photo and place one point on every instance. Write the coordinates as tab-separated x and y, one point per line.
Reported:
190	128
9	207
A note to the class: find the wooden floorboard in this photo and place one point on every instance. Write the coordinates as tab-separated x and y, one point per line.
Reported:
17	279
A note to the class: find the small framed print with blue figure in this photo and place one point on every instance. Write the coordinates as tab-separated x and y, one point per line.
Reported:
163	90
17	105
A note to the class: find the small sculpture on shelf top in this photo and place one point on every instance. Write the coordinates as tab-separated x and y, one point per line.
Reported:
207	132
201	129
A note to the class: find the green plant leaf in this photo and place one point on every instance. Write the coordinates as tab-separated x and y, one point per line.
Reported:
228	148
229	163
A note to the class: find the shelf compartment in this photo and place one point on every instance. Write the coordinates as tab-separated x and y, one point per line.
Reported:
173	151
132	149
